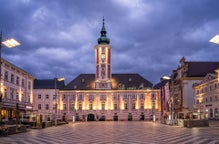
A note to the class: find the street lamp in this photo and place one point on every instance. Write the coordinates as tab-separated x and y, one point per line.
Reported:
56	98
215	39
9	43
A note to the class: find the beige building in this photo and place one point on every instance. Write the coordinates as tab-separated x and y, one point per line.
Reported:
206	100
17	92
107	96
101	96
181	84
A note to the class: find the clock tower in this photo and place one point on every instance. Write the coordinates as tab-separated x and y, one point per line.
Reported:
103	61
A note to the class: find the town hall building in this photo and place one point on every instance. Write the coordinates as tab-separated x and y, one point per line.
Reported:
105	95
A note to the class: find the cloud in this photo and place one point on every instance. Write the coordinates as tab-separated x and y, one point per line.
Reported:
147	37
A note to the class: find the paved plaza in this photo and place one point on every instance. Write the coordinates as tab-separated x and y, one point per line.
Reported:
115	132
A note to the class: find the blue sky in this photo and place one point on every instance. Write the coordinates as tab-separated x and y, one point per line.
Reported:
148	37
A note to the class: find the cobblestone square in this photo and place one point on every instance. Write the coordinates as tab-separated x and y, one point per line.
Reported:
115	132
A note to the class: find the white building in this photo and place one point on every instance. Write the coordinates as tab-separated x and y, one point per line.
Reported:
17	92
206	100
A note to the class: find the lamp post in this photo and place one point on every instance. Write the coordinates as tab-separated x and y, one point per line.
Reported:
56	97
9	43
215	39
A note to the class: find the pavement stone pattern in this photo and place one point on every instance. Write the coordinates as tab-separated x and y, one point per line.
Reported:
109	132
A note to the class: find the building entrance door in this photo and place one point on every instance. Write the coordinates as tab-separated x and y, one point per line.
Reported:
90	117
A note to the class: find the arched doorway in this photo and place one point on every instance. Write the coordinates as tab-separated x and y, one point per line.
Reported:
90	117
142	116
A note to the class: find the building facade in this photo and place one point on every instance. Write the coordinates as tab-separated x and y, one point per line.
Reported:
107	96
206	100
45	98
181	84
17	92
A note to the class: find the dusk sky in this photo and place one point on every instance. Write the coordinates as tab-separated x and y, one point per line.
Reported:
148	37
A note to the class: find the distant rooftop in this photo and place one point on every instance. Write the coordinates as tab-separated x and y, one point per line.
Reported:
48	84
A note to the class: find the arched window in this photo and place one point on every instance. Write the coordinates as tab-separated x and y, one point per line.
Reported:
216	112
211	113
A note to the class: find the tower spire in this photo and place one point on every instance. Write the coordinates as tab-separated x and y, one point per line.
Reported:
103	38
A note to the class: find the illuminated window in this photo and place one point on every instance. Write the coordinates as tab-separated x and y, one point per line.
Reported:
142	105
90	106
80	106
103	106
125	106
64	106
72	106
115	106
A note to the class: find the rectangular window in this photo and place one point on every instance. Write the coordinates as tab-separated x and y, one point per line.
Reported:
142	105
102	97
6	76
133	105
22	97
5	93
125	106
39	96
133	96
115	97
72	97
64	106
47	96
22	83
63	96
54	97
115	106
39	106
103	106
47	106
91	97
72	106
80	106
12	78
17	80
141	96
90	106
17	95
80	98
28	98
11	93
125	97
29	86
54	106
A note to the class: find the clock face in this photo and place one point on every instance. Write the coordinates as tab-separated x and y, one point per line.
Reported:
103	56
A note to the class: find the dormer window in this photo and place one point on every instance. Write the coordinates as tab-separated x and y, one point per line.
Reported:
130	80
83	80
